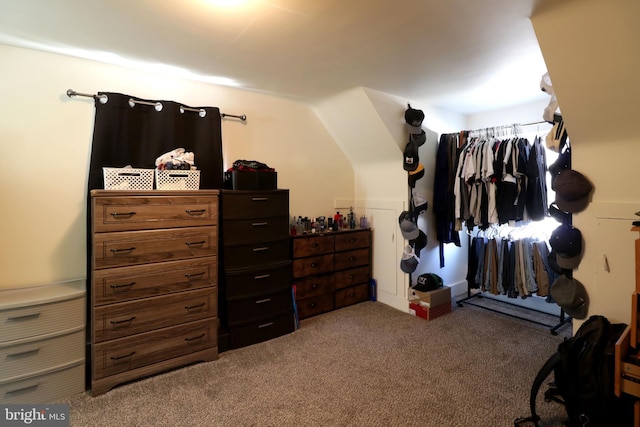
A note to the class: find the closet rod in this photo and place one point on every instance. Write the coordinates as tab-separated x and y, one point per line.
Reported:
103	98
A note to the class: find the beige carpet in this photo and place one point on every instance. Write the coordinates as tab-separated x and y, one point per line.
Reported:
364	365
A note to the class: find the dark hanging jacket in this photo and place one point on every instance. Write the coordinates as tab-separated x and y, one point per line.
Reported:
443	195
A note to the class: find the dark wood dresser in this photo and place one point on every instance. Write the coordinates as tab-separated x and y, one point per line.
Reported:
331	270
256	299
153	283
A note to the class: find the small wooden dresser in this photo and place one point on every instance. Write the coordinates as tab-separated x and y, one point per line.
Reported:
256	301
331	270
42	343
154	283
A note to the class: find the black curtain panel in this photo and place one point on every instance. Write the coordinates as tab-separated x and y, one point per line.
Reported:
136	135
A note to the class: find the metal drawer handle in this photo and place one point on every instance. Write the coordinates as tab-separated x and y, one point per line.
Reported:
24	317
313	305
266	248
123	357
117	215
262	276
191	307
351	276
117	251
23	390
265	325
315	286
24	354
124	285
119	322
195	212
314	265
352	258
351	294
351	240
191	276
260	301
200	243
259	199
194	338
260	224
314	245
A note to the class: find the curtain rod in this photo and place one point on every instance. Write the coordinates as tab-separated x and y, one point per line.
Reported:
158	106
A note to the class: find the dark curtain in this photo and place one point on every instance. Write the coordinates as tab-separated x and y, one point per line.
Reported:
136	136
125	135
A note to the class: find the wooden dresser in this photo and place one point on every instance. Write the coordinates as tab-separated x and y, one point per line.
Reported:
627	371
153	283
256	300
331	270
42	343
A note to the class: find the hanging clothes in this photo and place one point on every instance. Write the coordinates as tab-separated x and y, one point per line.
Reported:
514	268
443	199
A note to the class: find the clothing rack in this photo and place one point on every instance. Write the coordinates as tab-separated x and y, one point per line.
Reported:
513	129
157	105
553	328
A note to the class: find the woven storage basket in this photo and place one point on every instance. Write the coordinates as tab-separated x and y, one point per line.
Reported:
127	179
177	179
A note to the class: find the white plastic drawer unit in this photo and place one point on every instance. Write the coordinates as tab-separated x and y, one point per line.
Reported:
42	342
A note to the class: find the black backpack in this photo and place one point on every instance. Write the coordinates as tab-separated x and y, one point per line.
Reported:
583	368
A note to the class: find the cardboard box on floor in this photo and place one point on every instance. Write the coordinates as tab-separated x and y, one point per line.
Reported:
430	305
433	298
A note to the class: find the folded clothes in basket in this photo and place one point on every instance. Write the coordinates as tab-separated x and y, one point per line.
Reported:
177	159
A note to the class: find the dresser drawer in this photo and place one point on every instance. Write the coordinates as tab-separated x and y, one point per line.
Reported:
255	255
41	319
145	349
352	277
311	246
151	212
243	284
314	305
45	388
139	247
259	307
142	281
352	295
242	335
242	205
351	259
313	265
128	318
25	359
353	240
316	285
246	231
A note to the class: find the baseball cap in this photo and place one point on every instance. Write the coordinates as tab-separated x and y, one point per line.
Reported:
415	175
571	295
418	138
572	190
419	243
411	159
566	242
408	225
420	204
414	119
427	282
409	261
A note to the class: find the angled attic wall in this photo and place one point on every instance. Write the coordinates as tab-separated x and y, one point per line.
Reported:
368	142
590	48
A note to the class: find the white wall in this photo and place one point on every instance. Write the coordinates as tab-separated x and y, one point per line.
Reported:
46	138
590	48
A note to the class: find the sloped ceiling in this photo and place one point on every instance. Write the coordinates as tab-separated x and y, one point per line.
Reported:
466	56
